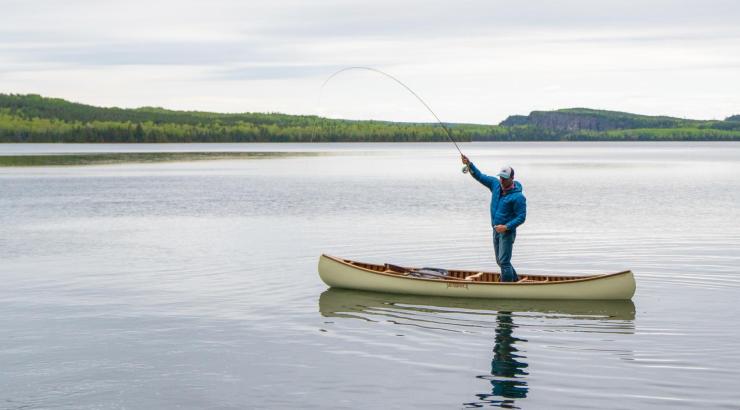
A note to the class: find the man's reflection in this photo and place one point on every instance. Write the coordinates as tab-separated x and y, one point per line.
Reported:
507	368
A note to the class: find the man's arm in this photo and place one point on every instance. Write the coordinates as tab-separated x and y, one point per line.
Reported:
520	208
487	180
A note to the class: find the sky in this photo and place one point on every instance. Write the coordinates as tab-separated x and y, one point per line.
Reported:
474	61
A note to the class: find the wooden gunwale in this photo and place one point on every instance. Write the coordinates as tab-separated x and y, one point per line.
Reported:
526	279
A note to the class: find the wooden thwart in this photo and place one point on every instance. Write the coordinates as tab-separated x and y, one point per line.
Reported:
474	277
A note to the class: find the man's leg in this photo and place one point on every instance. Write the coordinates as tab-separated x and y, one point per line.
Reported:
496	244
505	248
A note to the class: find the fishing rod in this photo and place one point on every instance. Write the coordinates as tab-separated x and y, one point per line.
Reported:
465	169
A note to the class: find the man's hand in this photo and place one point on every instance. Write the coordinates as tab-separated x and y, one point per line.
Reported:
500	228
465	159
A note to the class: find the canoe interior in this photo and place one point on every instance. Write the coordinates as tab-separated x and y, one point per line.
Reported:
463	275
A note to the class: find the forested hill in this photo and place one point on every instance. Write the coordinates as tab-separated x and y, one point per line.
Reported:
585	119
32	118
35	106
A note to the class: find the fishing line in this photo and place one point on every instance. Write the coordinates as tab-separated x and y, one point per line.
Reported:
375	70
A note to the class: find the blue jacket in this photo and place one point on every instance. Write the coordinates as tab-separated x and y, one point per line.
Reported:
508	209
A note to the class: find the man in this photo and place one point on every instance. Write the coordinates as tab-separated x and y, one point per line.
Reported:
508	211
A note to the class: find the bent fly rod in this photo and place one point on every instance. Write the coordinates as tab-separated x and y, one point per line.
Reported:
399	82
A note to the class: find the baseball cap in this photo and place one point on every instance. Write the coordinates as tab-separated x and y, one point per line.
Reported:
506	172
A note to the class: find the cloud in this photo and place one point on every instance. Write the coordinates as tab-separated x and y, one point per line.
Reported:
271	72
473	60
146	53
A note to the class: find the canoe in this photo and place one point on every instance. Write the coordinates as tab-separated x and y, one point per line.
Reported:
348	274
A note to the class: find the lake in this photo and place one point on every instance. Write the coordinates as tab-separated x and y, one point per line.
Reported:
193	284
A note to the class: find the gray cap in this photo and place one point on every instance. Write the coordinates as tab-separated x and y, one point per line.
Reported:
506	172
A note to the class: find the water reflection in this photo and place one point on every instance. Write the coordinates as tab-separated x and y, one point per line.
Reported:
136	157
368	305
509	366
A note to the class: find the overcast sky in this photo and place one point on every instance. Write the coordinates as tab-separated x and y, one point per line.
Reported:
472	61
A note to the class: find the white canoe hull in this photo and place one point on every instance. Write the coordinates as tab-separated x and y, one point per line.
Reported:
340	273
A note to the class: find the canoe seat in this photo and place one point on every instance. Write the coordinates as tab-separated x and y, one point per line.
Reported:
474	276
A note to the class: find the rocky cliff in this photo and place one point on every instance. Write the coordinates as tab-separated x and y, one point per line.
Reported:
579	119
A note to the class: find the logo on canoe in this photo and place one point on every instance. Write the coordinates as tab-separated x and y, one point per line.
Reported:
457	285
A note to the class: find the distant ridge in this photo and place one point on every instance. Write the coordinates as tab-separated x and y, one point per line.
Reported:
33	118
577	119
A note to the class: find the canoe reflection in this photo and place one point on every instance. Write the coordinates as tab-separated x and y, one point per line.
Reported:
336	302
508	367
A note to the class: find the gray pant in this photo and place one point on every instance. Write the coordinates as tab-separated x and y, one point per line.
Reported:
503	245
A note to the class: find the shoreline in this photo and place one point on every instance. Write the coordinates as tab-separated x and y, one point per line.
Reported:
94	158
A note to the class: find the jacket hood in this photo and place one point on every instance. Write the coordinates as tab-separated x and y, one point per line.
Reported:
517	188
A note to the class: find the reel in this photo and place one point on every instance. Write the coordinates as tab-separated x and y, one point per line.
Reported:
465	169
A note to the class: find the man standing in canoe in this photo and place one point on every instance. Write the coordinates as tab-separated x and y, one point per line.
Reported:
508	211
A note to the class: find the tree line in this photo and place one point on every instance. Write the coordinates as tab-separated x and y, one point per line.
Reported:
32	118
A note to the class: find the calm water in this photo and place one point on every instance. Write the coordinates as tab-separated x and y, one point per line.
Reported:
193	284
